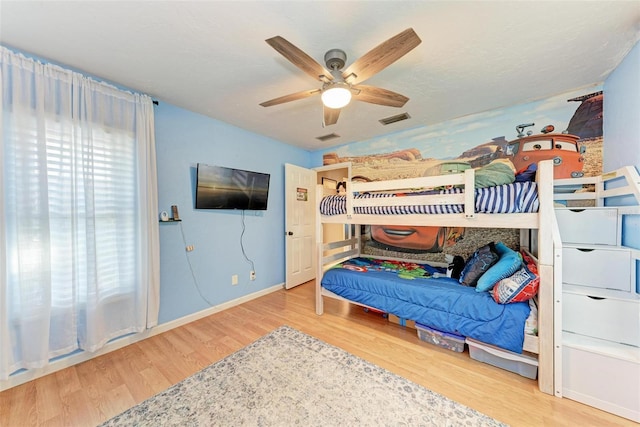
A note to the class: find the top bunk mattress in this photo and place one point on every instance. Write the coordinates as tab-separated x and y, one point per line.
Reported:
517	197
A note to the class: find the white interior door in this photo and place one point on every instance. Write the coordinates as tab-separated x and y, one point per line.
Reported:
300	219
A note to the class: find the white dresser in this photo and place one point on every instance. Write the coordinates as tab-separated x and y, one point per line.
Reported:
600	312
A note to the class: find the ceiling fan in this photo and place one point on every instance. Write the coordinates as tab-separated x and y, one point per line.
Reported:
339	86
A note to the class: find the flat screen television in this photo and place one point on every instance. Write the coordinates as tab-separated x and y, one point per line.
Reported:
226	188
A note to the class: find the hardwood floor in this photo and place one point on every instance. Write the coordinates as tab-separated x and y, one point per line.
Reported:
94	391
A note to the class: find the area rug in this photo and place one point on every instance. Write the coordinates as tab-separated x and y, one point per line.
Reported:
289	378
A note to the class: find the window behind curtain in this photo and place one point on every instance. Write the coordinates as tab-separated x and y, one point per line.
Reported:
78	205
109	162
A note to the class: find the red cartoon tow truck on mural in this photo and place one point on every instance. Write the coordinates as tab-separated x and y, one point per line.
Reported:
562	148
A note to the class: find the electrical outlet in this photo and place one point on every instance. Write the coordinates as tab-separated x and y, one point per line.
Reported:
234	279
189	248
252	275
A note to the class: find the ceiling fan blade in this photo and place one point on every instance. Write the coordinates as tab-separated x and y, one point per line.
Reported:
381	56
377	95
291	97
300	59
330	116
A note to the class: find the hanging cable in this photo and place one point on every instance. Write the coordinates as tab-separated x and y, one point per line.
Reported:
195	281
242	245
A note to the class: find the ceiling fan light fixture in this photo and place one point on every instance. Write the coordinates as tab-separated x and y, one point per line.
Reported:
336	95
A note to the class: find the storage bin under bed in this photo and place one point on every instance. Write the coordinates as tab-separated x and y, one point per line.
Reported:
441	339
521	364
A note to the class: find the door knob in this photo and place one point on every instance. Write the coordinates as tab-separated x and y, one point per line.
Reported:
289	233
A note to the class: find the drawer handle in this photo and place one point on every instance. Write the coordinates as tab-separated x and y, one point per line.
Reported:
585	249
577	210
596	298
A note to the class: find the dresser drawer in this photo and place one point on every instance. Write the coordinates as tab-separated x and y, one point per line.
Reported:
611	319
593	226
597	267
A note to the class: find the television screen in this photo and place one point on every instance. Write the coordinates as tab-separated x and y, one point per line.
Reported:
226	188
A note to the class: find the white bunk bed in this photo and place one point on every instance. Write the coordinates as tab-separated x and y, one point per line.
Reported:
539	236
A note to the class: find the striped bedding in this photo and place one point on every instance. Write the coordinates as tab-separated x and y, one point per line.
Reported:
518	197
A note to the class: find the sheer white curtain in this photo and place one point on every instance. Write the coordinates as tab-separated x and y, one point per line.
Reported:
79	254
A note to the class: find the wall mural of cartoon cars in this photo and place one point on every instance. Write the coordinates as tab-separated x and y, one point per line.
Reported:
562	148
416	239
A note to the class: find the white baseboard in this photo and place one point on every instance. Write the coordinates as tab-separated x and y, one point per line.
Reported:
74	359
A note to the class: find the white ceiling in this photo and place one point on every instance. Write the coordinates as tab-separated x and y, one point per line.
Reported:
210	57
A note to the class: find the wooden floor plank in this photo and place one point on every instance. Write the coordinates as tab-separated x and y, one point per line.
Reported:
92	392
68	381
79	410
48	400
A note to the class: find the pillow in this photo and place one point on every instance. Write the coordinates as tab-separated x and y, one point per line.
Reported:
529	262
508	263
477	264
521	286
495	173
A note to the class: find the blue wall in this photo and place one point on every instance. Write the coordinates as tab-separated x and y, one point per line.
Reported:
184	139
622	133
622	113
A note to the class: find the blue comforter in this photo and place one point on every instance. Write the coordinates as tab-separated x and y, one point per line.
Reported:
414	291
